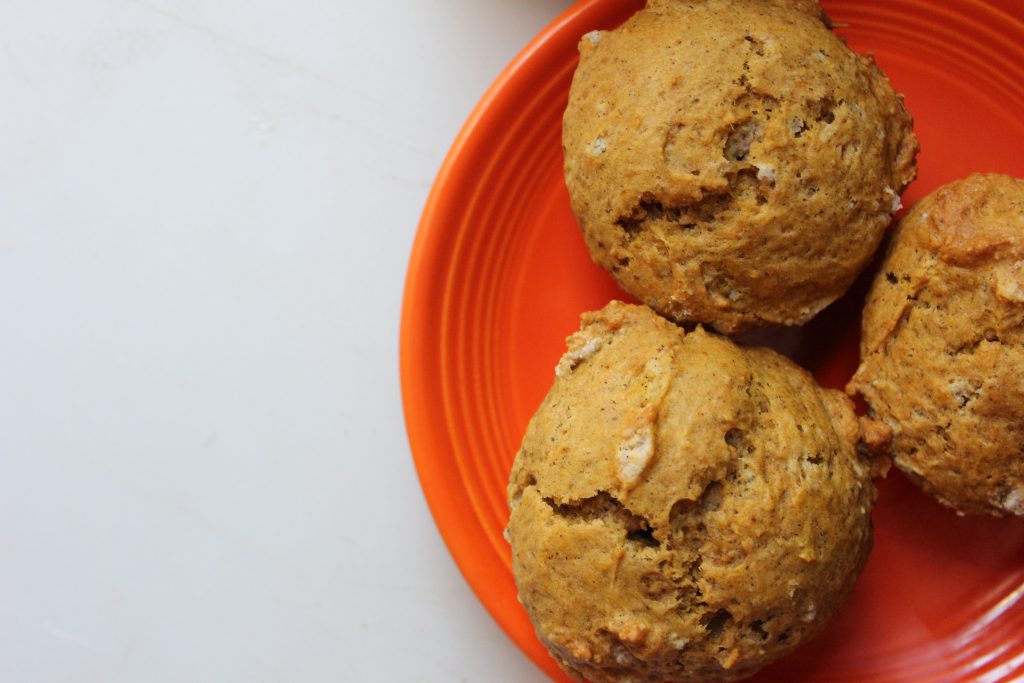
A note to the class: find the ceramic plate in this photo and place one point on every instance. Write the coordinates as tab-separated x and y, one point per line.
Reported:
499	276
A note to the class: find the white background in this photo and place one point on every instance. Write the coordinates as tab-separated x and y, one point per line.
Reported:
206	210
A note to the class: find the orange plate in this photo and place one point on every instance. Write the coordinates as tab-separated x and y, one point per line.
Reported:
499	275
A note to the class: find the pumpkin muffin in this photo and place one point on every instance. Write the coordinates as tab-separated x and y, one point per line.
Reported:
683	508
733	162
942	349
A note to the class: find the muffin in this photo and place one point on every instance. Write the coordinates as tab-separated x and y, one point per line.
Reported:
942	348
682	508
732	162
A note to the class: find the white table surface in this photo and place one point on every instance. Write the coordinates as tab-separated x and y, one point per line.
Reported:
206	210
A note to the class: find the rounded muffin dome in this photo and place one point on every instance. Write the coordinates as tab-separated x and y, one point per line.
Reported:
683	508
942	348
732	162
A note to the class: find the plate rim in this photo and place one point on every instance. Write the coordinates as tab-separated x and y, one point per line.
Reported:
420	385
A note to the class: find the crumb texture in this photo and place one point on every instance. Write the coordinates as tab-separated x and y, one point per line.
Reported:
681	508
942	348
732	162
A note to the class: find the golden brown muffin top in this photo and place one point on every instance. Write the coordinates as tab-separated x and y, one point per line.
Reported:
683	508
733	162
943	345
977	219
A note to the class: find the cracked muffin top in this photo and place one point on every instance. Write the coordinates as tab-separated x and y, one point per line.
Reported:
683	508
732	162
942	348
